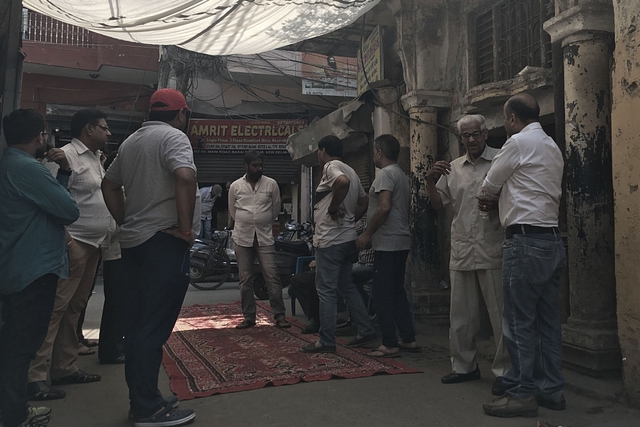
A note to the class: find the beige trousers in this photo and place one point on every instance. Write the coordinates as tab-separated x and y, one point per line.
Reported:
467	287
60	347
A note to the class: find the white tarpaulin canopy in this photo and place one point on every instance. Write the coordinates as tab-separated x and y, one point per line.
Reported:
213	27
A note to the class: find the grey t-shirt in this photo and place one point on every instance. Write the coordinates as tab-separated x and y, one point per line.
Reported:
144	166
394	234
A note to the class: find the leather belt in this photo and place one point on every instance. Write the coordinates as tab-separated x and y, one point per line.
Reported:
530	229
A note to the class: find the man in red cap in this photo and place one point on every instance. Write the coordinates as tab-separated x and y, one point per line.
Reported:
157	228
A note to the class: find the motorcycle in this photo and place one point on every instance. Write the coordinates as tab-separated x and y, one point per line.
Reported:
211	261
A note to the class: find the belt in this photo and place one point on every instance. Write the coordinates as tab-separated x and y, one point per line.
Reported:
530	229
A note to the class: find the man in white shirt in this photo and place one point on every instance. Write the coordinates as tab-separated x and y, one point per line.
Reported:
90	133
341	201
208	197
476	253
527	176
254	203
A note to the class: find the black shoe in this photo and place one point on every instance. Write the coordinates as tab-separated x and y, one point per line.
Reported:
167	417
361	341
557	404
312	328
312	348
78	377
246	323
39	390
454	378
499	388
117	361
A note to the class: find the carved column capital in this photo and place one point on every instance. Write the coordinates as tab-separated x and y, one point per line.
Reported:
426	99
580	23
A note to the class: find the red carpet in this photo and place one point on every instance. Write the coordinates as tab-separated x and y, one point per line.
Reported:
206	355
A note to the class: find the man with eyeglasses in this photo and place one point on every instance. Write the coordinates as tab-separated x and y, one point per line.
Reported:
476	253
35	209
90	133
254	204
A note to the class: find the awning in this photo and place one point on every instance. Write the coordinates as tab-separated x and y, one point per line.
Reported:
213	27
351	123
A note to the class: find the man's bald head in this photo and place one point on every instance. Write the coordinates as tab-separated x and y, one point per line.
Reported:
524	107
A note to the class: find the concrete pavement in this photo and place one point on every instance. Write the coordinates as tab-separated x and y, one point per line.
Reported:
385	400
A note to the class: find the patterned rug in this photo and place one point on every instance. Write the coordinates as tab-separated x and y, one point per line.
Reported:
206	355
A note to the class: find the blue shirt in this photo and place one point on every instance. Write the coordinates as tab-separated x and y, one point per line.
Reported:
34	208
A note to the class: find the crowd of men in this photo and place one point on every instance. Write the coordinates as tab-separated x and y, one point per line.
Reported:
137	213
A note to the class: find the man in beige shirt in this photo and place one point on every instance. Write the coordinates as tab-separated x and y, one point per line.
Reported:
476	252
60	348
254	203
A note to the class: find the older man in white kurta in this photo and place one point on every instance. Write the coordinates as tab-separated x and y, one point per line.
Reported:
476	252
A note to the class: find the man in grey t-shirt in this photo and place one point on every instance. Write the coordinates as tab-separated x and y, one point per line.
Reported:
155	167
388	233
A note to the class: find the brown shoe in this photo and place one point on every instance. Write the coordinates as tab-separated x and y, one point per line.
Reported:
246	323
282	323
508	407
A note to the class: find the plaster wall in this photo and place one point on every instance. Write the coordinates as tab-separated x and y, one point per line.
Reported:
626	181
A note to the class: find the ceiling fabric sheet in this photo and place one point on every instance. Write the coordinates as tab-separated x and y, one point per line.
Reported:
213	27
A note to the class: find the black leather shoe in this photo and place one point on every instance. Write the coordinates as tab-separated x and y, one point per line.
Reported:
78	377
246	323
557	404
499	388
312	328
454	378
117	361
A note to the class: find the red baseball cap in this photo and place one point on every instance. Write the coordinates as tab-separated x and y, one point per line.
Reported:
172	99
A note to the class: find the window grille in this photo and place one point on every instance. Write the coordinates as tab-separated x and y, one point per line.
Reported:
509	37
43	29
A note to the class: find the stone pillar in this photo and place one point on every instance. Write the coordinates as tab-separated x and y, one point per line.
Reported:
590	336
424	258
626	128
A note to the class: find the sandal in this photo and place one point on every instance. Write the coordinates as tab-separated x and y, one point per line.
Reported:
39	390
78	377
411	347
89	342
282	323
383	351
83	350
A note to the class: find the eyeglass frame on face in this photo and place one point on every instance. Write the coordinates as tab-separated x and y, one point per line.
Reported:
103	127
257	165
475	134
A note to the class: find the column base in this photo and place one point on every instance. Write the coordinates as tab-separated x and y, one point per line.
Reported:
592	352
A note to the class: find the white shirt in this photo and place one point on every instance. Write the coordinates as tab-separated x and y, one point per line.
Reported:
254	210
207	199
327	231
476	242
527	174
84	184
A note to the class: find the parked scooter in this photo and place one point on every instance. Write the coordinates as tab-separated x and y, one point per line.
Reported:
211	261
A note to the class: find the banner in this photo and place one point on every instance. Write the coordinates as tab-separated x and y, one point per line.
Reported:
329	75
237	136
372	57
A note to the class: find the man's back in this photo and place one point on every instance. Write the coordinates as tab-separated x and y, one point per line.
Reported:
144	166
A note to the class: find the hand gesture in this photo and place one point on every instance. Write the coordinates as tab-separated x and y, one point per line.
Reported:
441	167
58	156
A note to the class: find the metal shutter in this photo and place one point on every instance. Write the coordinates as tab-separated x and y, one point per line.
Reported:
218	168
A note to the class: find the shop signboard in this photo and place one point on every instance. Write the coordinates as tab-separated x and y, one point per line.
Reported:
237	136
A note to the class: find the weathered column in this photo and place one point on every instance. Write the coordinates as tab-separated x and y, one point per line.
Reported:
626	128
590	336
424	258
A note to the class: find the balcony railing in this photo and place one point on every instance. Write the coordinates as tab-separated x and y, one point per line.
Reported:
43	29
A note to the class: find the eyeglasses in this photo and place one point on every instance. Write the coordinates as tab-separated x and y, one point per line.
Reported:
103	127
465	136
256	165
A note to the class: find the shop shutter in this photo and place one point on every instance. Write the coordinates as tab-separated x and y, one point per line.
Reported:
220	168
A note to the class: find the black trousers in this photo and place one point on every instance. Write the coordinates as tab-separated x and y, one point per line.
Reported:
157	277
26	315
112	323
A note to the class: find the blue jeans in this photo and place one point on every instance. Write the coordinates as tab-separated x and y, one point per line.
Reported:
155	285
390	299
532	267
333	275
205	229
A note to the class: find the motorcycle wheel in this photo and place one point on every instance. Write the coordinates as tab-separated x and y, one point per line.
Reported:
212	281
260	287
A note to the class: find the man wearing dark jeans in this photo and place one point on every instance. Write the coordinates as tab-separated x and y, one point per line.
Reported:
33	255
388	233
156	232
527	176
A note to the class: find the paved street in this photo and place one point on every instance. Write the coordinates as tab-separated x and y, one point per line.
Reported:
386	400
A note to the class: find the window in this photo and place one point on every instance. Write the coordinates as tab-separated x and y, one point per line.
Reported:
509	37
